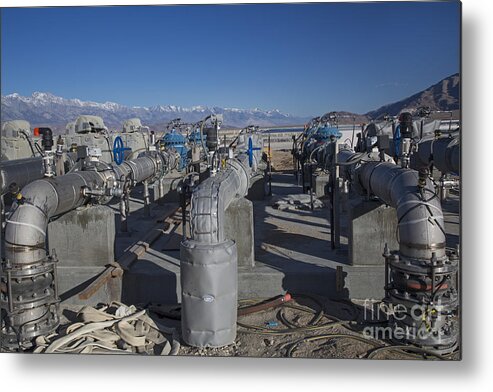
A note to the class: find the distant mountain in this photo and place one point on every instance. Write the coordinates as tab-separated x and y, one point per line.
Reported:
45	109
350	118
445	95
49	110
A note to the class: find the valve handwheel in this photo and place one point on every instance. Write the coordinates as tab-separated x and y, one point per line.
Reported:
250	151
119	150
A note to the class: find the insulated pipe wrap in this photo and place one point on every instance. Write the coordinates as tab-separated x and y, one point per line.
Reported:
240	165
25	232
209	203
211	199
344	155
140	169
446	155
209	262
421	226
209	282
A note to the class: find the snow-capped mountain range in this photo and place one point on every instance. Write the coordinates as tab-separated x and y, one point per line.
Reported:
49	110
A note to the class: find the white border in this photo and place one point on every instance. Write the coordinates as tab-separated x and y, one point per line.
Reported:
81	373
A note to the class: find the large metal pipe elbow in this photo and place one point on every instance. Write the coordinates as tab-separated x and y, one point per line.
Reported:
209	260
420	219
211	199
30	274
25	230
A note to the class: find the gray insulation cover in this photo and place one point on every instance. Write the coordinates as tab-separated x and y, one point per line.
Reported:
209	283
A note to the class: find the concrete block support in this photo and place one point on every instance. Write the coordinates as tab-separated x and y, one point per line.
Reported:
238	226
257	189
84	237
371	225
84	241
320	182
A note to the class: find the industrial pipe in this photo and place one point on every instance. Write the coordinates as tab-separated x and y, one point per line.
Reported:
421	226
422	276
20	172
28	293
213	196
42	199
209	260
443	153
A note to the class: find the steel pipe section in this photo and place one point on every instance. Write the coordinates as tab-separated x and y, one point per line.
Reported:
29	300
25	231
20	172
209	261
138	170
422	275
421	226
443	153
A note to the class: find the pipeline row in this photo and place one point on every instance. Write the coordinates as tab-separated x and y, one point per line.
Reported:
421	276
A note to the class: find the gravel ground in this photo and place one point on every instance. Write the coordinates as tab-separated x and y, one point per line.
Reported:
282	160
269	344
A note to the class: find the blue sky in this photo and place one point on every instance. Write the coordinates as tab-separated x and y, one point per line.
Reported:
304	59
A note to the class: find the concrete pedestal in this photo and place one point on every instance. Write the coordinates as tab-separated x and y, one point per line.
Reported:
84	237
238	226
84	241
320	183
257	189
371	225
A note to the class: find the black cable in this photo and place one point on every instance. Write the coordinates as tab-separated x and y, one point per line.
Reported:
40	150
419	350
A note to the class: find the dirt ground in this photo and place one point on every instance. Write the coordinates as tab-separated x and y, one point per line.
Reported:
328	339
282	160
306	327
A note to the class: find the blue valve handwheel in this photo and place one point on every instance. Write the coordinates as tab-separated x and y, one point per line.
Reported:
250	151
119	150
